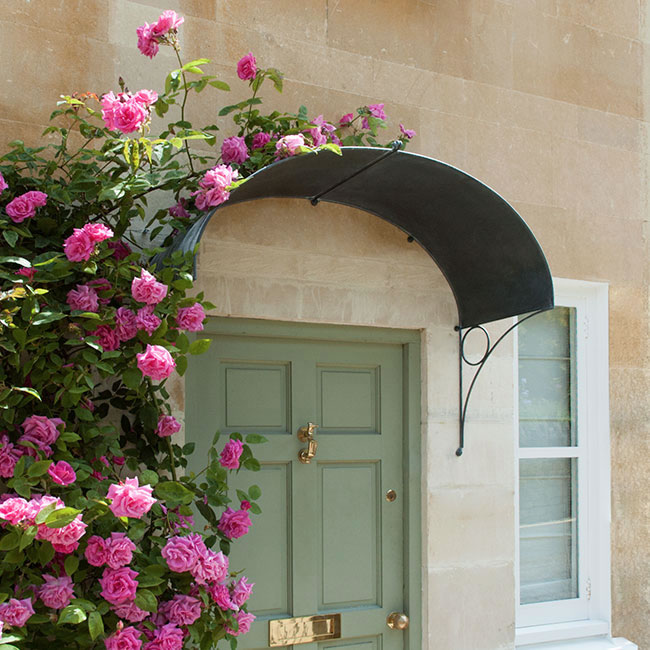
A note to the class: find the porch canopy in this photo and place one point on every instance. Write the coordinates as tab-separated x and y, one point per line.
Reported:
490	258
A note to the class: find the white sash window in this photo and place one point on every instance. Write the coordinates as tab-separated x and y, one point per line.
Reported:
563	468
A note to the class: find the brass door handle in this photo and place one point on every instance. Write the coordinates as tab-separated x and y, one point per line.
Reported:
397	621
306	434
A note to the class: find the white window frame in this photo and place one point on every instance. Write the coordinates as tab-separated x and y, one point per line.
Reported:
590	613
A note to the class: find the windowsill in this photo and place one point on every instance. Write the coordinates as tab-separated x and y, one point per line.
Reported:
577	635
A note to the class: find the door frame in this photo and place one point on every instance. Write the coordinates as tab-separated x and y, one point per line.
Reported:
410	340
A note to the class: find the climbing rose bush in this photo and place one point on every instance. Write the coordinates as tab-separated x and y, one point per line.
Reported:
111	536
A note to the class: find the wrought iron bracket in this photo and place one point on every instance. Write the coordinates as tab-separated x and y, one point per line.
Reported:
463	400
395	146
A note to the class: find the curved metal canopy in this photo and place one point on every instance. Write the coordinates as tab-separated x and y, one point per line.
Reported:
490	258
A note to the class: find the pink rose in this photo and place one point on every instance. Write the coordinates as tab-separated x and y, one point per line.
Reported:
184	610
146	97
245	505
229	457
108	338
214	187
210	567
244	620
79	246
62	473
346	119
125	324
9	455
16	612
3	184
147	43
41	432
376	110
234	150
242	591
24	206
260	140
14	510
127	638
29	273
120	249
167	21
167	637
147	289
221	596
247	67
56	592
83	298
289	145
97	232
182	553
124	112
118	585
119	460
167	426
119	550
178	210
234	523
146	320
130	612
155	362
130	499
191	318
407	133
65	539
96	551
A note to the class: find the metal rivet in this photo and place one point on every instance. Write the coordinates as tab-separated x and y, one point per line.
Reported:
391	495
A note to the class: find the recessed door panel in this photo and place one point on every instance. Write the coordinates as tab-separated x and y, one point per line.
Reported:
257	397
373	643
265	553
350	522
349	399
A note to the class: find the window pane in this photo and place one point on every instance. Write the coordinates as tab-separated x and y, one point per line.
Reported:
548	529
546	380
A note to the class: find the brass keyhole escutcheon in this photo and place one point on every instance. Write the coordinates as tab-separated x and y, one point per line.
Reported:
306	434
391	495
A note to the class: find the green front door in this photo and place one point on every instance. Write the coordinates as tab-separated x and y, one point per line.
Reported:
329	539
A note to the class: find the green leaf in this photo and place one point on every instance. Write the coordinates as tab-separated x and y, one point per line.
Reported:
132	377
9	541
149	477
16	260
254	492
27	537
255	439
255	509
181	365
220	85
38	468
149	580
61	517
200	346
95	625
72	614
45	513
28	391
11	237
45	553
47	317
71	564
144	599
174	493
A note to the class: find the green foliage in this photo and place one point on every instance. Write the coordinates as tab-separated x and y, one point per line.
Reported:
59	363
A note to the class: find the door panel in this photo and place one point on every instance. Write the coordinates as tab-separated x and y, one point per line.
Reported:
327	540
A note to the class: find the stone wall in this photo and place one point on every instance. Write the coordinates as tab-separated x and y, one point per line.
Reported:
544	100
